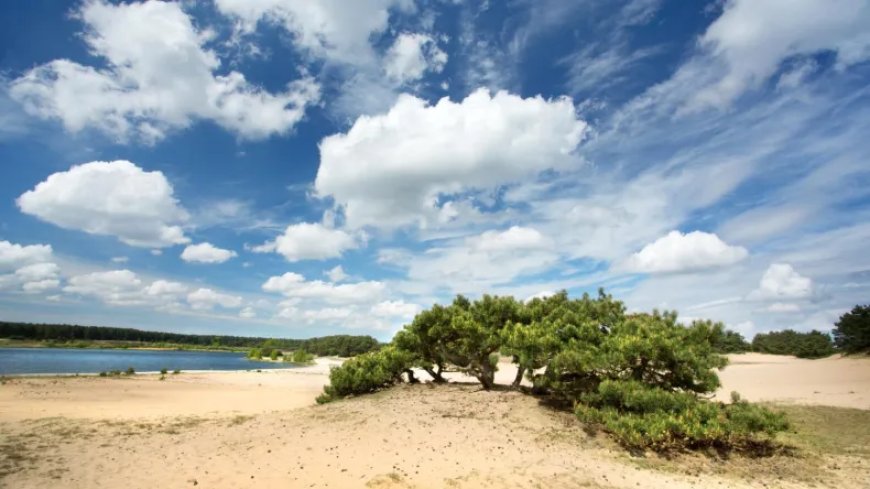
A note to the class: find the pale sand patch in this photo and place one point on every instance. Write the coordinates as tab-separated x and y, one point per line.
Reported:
835	381
145	396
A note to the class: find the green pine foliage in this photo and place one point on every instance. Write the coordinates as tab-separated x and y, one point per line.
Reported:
814	344
731	342
640	416
852	331
641	377
366	373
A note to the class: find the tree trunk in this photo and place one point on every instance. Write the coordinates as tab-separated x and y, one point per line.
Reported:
411	378
486	376
436	375
519	378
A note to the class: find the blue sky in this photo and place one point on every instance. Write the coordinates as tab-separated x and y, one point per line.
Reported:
298	168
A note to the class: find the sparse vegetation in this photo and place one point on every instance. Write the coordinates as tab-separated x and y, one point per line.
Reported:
163	371
641	377
130	371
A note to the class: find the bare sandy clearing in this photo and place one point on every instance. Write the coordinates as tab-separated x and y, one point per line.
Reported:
835	381
145	396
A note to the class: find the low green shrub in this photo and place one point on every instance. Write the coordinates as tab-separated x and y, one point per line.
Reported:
163	371
642	417
255	354
130	371
365	373
176	372
103	374
299	357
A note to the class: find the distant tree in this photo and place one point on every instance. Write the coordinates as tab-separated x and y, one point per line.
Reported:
814	344
731	342
852	331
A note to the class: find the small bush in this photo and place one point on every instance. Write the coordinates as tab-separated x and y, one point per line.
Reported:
255	354
103	374
176	372
299	357
130	371
273	355
163	371
114	373
365	373
642	417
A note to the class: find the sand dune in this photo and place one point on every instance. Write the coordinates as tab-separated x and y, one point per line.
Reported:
261	429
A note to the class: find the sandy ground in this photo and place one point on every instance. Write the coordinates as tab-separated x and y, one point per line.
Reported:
145	396
261	429
835	381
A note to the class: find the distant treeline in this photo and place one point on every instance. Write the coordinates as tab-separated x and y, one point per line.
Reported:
814	344
339	345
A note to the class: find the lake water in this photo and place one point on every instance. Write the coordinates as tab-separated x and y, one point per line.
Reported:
83	361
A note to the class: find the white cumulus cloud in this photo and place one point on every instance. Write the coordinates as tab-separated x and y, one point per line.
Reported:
13	255
411	56
158	76
206	299
309	241
114	198
677	252
294	285
206	253
389	170
333	29
399	309
115	287
336	274
782	281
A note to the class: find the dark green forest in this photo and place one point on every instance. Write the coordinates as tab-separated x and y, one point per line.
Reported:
339	345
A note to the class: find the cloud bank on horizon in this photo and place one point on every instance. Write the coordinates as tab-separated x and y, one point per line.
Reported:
297	168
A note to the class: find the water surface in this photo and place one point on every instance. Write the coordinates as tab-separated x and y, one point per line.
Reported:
83	360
